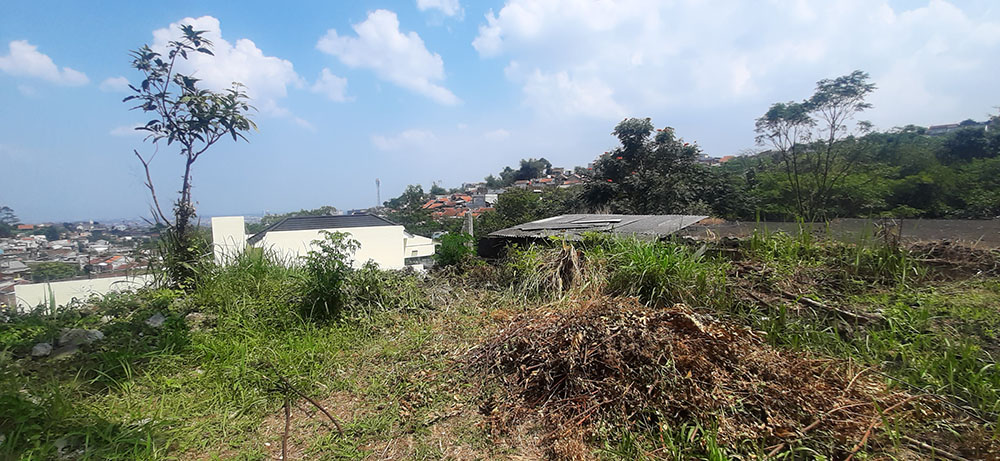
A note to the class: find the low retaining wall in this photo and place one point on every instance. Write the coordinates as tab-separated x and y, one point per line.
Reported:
35	294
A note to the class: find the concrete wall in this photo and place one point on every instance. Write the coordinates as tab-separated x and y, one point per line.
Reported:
382	244
228	237
416	246
31	295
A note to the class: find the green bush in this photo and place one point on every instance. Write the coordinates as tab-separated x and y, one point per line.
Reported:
370	290
326	270
455	249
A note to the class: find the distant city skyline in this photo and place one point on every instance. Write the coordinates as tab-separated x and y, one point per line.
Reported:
414	92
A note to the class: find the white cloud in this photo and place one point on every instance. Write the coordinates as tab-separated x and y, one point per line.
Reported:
331	85
497	135
602	59
559	94
412	138
126	131
115	85
394	56
267	78
446	7
27	90
24	60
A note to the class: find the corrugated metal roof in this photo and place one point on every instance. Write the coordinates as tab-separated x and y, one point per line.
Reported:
575	225
297	223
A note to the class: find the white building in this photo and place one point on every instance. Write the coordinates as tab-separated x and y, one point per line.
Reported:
380	240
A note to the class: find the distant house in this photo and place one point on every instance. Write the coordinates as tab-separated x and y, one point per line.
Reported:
25	227
381	241
936	130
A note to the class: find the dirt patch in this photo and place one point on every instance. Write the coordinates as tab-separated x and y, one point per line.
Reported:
616	361
306	424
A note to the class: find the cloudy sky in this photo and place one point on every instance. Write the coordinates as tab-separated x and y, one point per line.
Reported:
450	90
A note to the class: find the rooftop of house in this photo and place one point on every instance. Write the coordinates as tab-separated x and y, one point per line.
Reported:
575	225
298	223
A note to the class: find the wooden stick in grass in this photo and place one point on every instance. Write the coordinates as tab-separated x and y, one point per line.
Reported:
313	402
284	436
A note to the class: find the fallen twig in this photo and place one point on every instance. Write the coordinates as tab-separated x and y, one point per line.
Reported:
812	426
861	316
933	449
875	422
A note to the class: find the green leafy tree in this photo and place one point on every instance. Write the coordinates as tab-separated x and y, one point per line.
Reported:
967	144
657	174
192	118
810	139
8	221
518	206
51	233
52	271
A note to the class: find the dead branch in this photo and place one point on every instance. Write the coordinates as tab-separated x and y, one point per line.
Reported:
933	449
812	426
859	316
875	422
288	386
152	191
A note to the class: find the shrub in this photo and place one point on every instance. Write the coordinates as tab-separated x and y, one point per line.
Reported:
455	249
326	269
370	290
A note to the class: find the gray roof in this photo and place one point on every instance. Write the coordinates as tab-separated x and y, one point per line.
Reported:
575	225
297	223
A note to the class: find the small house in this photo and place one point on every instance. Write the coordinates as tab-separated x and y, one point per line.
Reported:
381	241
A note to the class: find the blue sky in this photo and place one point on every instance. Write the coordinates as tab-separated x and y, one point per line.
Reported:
450	90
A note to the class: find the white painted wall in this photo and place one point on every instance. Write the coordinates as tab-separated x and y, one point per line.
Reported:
31	295
382	244
416	246
228	237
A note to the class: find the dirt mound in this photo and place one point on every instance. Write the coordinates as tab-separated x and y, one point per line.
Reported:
957	256
614	360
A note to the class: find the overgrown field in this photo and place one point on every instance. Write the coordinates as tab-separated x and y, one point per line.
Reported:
771	347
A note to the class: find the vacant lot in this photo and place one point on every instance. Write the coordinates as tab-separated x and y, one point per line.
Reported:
773	346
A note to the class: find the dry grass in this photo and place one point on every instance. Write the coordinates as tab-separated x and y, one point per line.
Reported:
614	361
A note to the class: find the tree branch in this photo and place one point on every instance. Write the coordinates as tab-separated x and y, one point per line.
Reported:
152	190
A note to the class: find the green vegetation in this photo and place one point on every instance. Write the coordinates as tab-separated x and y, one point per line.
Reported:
455	249
52	271
191	118
518	206
386	352
8	221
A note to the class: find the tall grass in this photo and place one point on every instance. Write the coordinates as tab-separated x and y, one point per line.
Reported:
658	272
661	272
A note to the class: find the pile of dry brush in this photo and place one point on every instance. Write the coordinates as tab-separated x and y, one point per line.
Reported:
615	361
957	256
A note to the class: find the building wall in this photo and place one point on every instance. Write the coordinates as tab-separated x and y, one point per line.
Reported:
228	237
34	294
382	244
417	246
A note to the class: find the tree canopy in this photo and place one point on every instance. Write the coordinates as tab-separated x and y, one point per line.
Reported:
656	174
